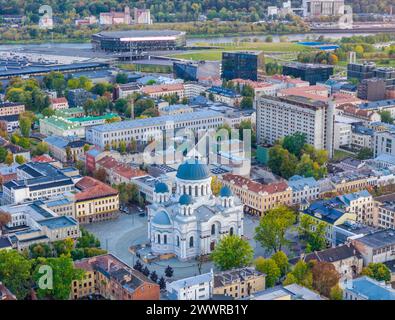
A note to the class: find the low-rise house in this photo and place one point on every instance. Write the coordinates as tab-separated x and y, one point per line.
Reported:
303	189
95	201
384	211
257	197
59	103
160	90
376	247
64	149
345	258
111	278
365	288
199	287
238	283
9	123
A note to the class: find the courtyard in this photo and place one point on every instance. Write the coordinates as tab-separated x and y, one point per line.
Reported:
117	236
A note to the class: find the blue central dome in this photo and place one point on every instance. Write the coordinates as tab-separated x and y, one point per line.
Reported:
193	169
162	218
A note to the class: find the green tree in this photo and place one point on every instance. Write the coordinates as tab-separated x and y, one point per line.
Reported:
25	125
313	232
270	269
378	271
63	272
301	274
121	78
232	252
271	231
336	293
365	153
19	159
247	103
294	143
15	272
9	159
282	162
3	154
386	117
281	260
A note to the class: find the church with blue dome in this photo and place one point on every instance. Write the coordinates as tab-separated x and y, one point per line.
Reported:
191	221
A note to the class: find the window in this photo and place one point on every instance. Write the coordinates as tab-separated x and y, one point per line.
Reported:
178	241
231	231
213	229
159	238
191	242
165	239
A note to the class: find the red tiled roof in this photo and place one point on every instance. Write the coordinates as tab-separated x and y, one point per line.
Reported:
92	188
255	186
59	100
162	88
111	164
43	158
253	84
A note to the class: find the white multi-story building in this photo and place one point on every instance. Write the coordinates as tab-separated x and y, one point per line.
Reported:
277	117
384	143
318	8
152	128
193	288
36	181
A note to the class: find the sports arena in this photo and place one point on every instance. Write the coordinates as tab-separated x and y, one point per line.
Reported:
138	40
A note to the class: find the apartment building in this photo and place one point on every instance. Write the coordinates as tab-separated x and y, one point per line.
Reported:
258	198
384	211
335	211
377	246
147	129
111	278
303	189
117	172
277	117
199	287
64	149
95	201
383	143
239	283
11	108
225	95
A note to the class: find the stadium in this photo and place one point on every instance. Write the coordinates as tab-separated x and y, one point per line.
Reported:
138	40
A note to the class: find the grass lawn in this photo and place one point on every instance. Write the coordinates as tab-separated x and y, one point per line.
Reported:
216	54
341	154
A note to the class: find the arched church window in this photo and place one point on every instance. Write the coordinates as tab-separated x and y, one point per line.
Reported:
196	191
213	229
231	231
190	190
159	238
202	190
178	241
165	239
191	242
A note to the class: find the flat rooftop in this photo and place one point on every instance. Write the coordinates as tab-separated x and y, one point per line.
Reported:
58	222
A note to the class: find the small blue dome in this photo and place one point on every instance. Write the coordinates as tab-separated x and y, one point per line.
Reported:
193	169
225	192
185	199
162	218
161	187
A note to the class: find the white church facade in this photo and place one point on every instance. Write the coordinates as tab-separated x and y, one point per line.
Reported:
190	222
